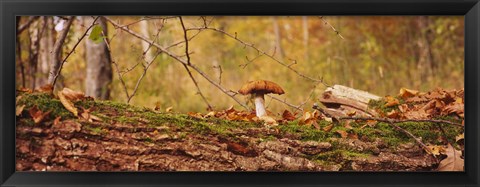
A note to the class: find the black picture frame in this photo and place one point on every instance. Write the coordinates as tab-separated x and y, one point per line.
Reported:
11	8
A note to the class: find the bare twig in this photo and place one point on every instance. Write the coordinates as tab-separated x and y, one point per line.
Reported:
418	140
199	91
30	20
185	36
392	122
57	48
286	103
331	26
178	59
261	52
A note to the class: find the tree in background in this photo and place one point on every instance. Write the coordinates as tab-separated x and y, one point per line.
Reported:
98	63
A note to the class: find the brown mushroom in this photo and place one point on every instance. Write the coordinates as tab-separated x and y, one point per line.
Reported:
258	89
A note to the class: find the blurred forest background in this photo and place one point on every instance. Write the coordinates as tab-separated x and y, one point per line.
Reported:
378	54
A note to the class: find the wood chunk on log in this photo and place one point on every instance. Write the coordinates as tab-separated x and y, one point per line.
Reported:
340	91
341	100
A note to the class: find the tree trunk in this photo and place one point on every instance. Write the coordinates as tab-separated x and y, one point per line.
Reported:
278	38
45	48
147	52
56	63
99	65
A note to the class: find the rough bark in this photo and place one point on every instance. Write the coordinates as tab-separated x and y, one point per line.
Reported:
56	63
99	66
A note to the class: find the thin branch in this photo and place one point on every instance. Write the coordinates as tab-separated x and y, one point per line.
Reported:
392	122
30	20
177	58
185	36
199	91
418	140
261	52
286	103
331	26
79	40
57	47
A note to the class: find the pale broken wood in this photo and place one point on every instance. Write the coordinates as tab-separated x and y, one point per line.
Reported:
344	100
351	93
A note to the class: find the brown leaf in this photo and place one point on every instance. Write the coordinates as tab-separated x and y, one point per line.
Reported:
328	128
19	109
393	114
453	162
72	95
37	115
287	115
391	101
352	136
347	124
67	104
343	134
195	115
57	120
420	114
47	88
457	108
406	93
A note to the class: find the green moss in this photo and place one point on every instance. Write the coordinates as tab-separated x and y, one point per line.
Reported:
95	130
339	155
44	102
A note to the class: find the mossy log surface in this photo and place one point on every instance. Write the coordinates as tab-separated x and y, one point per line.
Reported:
129	138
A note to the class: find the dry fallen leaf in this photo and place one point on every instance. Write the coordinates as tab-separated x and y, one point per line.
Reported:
343	134
37	114
19	109
72	95
287	115
460	137
269	121
436	149
392	114
453	162
391	101
405	93
67	104
47	88
328	128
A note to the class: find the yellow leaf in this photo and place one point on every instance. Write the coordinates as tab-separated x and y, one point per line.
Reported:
67	104
459	137
391	101
435	149
19	110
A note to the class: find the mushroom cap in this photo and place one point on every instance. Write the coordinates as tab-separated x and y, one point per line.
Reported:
261	87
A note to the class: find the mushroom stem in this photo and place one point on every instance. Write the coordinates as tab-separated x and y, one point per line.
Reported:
260	105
